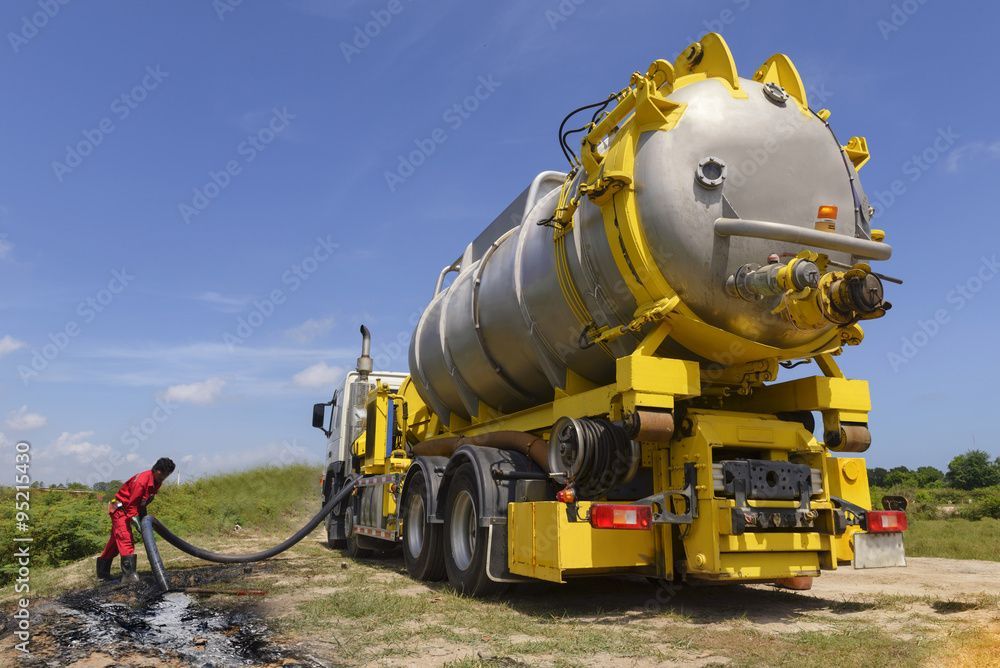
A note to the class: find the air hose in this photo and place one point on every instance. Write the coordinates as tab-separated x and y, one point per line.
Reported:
149	524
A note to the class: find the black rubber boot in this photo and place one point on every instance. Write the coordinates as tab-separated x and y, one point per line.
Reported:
103	569
129	576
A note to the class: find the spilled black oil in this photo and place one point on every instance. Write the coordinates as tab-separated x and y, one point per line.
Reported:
174	624
174	628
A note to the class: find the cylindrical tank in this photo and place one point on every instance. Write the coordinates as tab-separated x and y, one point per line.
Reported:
504	332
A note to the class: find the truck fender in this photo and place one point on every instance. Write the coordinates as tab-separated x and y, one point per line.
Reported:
433	469
494	495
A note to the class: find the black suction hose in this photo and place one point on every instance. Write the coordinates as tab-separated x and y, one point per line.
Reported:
152	551
150	524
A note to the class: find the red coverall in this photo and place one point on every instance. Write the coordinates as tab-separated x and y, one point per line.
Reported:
130	500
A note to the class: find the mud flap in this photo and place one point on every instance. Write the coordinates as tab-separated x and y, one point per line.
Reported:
497	568
879	550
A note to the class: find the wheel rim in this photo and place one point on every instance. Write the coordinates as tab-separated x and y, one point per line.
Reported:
415	525
462	531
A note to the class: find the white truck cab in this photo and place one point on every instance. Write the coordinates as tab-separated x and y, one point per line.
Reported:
347	420
347	416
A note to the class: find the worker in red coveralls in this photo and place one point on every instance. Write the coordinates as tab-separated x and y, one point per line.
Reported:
130	501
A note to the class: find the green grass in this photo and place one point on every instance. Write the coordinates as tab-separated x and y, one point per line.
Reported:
260	499
931	502
66	527
954	538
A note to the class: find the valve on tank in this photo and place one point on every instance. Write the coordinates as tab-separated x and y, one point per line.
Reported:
752	281
811	296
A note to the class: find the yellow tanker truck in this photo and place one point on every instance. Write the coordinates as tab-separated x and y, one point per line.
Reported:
595	390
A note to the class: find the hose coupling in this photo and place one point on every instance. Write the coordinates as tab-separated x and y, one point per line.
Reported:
752	282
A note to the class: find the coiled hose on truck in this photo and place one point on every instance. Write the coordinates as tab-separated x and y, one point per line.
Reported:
150	524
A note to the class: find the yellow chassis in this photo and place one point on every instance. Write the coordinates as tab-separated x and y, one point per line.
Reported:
547	541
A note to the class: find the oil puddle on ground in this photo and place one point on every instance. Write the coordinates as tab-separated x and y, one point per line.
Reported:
114	625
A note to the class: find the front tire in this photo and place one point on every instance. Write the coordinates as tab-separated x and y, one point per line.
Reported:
422	544
353	547
465	541
332	531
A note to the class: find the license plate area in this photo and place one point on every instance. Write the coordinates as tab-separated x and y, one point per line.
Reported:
879	550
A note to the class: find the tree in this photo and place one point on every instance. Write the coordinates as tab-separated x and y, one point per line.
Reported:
899	476
928	476
876	476
973	470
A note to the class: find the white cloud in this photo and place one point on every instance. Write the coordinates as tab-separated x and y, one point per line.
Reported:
131	457
78	446
269	454
248	370
318	375
9	344
204	392
3	439
21	420
976	149
224	303
310	329
5	247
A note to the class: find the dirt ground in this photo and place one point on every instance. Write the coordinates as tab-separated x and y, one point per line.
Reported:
319	608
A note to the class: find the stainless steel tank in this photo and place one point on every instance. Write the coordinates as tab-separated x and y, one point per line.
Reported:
503	333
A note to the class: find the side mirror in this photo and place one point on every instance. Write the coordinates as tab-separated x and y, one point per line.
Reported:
319	416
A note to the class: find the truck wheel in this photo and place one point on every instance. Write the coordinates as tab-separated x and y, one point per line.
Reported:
465	542
354	549
421	539
331	533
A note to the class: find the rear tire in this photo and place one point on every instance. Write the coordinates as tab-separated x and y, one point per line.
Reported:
465	541
422	543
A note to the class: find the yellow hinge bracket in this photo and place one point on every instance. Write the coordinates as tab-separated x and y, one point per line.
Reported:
857	152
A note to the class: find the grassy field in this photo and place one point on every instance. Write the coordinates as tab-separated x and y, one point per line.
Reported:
954	539
371	612
69	526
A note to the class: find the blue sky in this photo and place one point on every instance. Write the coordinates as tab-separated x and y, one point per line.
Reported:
195	212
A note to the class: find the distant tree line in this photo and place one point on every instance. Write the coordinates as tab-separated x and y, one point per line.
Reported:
972	470
109	486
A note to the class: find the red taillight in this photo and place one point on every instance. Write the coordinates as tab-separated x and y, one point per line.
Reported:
620	516
886	521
